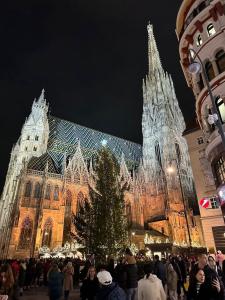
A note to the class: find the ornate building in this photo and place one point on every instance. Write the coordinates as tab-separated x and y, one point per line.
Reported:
200	27
51	166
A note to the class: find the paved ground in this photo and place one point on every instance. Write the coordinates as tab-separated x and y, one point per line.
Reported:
41	294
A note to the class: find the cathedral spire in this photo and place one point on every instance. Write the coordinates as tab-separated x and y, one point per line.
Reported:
153	53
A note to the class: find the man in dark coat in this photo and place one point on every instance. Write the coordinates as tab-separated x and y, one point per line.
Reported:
109	290
131	275
159	270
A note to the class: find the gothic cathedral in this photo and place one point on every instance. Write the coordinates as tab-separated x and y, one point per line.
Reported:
51	166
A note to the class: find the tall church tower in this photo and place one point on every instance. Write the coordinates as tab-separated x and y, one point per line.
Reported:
166	160
32	142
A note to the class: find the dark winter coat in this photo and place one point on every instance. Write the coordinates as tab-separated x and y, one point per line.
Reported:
89	289
160	271
55	284
210	275
111	292
120	275
205	293
131	273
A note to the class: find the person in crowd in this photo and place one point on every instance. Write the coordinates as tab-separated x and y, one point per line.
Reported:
68	279
183	272
7	279
211	277
214	266
150	287
120	274
55	282
22	276
38	272
159	269
172	282
198	290
131	273
110	267
90	285
109	290
176	267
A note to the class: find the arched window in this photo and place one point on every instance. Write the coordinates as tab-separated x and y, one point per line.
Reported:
68	203
158	153
80	201
211	30
221	108
37	191
25	234
67	217
199	40
178	153
209	71
129	213
47	233
48	192
56	193
28	189
200	82
220	61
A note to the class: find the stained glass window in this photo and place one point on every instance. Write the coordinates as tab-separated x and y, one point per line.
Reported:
37	191
47	233
80	201
48	192
26	234
28	189
56	193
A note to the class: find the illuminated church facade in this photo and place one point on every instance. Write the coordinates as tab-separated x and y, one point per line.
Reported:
52	164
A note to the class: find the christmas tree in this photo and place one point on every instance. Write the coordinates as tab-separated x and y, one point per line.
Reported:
101	224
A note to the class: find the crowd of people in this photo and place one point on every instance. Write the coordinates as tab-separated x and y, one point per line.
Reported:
174	278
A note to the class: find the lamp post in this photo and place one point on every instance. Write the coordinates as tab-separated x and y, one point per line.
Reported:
194	68
170	170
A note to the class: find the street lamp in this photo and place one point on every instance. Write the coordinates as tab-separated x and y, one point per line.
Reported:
170	169
194	68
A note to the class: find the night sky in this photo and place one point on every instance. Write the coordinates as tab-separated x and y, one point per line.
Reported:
90	56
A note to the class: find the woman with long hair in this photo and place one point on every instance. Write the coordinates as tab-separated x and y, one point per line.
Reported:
199	290
90	285
55	282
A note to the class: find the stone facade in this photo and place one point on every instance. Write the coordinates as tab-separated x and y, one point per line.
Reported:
53	163
200	26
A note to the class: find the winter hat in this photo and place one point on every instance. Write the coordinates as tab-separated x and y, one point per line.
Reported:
104	277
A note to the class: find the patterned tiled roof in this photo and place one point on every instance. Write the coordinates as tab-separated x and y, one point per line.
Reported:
64	136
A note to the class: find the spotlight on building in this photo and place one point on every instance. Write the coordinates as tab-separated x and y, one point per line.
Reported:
104	142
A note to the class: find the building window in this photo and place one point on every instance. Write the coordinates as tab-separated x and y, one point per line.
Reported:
199	40
56	193
80	201
25	148
200	140
178	154
28	189
67	216
48	192
220	61
36	137
221	108
214	202
129	214
211	30
219	167
209	71
28	137
158	153
26	234
35	148
200	82
47	233
37	191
